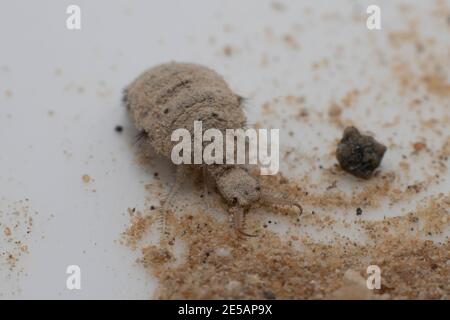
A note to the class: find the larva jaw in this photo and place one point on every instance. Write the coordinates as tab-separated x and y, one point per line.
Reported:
238	215
271	199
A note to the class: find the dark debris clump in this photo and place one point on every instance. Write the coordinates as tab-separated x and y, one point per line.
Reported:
359	154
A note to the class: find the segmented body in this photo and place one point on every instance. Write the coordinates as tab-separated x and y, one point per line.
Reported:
174	95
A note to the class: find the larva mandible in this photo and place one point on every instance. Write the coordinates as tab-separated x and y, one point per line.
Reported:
174	95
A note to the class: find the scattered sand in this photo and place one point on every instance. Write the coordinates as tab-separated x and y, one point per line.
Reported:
218	265
16	222
411	246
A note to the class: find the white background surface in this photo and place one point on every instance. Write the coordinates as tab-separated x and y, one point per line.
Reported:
79	75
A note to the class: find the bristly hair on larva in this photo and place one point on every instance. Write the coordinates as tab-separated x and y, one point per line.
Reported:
174	95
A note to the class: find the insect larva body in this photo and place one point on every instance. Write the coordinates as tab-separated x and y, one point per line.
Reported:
174	95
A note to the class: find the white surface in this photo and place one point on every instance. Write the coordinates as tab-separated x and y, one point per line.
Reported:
43	157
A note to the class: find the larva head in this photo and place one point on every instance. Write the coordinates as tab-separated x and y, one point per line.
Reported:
238	187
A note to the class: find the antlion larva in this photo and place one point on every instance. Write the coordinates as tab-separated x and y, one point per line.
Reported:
174	95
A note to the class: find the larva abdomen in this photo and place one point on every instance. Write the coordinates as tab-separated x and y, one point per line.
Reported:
174	95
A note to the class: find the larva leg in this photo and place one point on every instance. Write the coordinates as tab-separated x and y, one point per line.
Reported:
241	99
180	175
238	216
140	137
125	101
271	198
